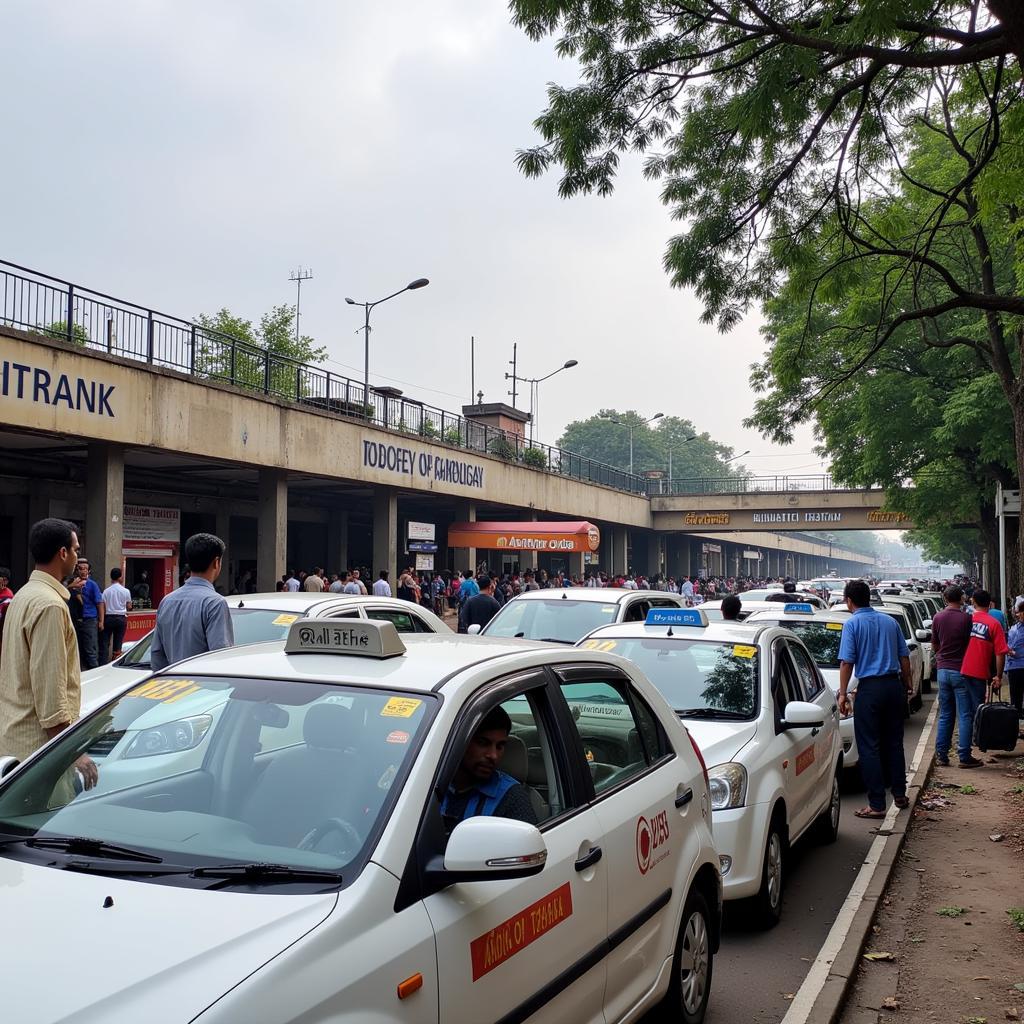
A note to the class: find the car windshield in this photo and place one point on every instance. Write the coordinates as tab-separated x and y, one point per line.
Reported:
564	620
203	771
250	626
904	624
820	638
699	676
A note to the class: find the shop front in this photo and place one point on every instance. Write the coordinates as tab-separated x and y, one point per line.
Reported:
558	546
150	545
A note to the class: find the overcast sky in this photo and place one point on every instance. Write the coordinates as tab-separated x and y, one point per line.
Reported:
189	155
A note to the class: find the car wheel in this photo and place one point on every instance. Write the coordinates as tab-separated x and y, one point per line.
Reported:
766	906
826	828
688	992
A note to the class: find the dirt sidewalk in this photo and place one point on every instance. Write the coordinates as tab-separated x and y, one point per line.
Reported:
954	954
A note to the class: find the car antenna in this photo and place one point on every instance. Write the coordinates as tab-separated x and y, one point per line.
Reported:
564	597
241	604
670	633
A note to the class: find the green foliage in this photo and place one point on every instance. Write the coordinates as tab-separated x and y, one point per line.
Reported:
427	428
600	438
453	435
1017	917
503	448
951	911
274	334
59	329
968	790
535	457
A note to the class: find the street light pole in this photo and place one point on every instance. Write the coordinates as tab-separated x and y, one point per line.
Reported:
629	425
686	440
534	383
420	282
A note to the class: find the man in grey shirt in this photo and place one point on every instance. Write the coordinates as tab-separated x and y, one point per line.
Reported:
194	618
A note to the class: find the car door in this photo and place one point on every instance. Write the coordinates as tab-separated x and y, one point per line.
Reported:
529	947
796	746
405	621
642	805
827	738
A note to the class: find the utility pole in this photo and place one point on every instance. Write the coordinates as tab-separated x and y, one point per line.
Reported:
515	378
298	276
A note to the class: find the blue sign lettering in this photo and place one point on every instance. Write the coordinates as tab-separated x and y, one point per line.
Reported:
393	458
34	384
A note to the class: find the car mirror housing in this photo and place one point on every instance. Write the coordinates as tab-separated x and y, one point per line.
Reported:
484	848
7	765
801	714
473	630
924	635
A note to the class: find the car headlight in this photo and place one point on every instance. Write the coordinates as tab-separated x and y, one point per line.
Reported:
170	737
728	786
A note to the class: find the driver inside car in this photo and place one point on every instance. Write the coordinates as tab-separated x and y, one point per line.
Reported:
479	786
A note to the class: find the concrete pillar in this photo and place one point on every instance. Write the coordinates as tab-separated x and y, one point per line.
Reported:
104	509
271	528
528	559
223	528
385	534
576	566
37	507
653	553
337	540
619	550
465	558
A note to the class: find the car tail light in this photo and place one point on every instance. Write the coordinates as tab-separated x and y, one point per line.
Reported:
700	757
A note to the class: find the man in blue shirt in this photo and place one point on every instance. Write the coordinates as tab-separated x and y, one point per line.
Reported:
88	614
194	618
873	648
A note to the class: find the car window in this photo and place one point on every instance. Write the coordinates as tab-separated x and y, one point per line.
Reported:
807	675
663	602
562	619
700	676
785	686
311	793
404	622
637	611
347	613
821	639
620	735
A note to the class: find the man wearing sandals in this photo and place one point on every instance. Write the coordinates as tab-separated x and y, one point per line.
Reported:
872	646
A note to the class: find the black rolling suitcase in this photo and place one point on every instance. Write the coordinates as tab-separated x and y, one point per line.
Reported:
995	725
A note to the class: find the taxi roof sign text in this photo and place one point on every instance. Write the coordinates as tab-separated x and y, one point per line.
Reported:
676	617
365	638
798	608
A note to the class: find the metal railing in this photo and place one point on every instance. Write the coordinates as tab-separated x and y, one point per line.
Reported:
746	484
59	309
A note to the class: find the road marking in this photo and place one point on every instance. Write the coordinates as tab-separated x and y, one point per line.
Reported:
807	994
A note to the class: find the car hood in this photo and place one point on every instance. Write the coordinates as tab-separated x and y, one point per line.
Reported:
719	742
831	676
158	953
100	684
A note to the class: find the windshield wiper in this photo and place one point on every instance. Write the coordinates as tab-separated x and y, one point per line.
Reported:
86	847
710	713
259	872
553	640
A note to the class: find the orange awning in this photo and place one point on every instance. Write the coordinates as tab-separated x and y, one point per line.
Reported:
525	536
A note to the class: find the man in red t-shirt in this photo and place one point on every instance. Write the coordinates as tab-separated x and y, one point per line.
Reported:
987	641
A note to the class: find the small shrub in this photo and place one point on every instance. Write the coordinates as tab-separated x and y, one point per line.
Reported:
951	911
1017	917
427	429
503	448
453	435
968	790
535	457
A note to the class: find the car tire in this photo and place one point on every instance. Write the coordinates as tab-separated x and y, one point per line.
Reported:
766	907
686	1001
826	828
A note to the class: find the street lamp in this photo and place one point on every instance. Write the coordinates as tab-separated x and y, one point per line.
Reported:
735	457
420	282
685	440
611	419
535	391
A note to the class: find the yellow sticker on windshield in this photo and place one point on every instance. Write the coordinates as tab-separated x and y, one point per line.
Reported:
599	645
284	620
834	625
400	707
165	690
744	651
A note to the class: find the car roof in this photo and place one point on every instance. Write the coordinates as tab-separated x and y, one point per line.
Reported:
299	601
430	658
713	632
818	615
604	595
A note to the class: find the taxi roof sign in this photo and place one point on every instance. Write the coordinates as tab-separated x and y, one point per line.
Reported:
366	638
798	608
676	617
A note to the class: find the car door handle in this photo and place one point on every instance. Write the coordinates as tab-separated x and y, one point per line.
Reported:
589	859
684	798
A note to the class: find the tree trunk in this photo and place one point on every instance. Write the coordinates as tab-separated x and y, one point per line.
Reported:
1010	14
1015	544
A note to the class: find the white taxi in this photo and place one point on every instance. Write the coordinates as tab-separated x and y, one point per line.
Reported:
344	850
821	633
768	727
258	617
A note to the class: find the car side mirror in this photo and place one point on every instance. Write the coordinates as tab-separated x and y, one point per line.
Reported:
484	848
473	630
802	714
927	623
924	635
7	765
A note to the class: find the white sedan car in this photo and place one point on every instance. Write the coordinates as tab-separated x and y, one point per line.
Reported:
344	852
565	615
259	617
767	725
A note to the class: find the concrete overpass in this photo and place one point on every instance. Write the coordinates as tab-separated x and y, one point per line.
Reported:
294	465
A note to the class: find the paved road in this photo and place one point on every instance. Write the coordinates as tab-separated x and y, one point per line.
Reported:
756	970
